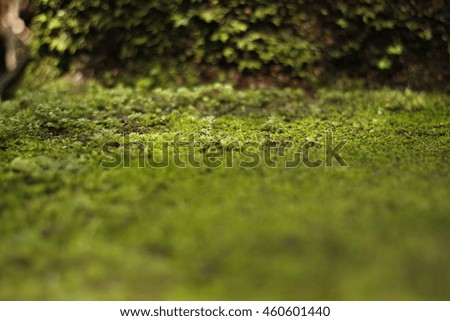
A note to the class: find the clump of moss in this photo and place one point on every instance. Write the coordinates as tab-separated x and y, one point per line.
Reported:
180	42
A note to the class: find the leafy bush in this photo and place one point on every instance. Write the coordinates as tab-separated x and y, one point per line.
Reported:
403	41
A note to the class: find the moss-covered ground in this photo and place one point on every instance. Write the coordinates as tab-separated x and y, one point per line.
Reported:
375	229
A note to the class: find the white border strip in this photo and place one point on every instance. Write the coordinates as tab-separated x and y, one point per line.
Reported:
179	310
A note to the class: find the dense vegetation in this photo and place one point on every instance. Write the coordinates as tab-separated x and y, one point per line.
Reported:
377	229
398	42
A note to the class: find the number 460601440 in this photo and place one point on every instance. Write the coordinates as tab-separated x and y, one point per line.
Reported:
297	311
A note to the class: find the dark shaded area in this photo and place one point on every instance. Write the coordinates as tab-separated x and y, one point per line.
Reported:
401	43
9	81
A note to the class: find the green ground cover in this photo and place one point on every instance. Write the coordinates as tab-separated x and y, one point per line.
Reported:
375	229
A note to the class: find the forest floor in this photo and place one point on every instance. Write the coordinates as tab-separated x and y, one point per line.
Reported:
87	213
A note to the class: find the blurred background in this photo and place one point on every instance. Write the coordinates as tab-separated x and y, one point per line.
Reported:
248	43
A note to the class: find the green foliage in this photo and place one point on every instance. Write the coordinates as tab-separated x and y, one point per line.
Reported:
405	41
72	230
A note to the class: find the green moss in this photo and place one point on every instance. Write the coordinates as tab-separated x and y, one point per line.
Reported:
166	42
70	229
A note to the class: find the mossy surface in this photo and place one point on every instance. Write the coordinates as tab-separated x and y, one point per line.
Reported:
376	229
